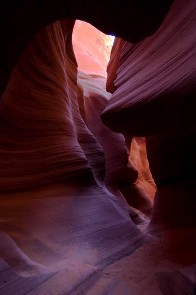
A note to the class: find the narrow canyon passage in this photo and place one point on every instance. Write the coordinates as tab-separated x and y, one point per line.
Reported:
81	165
61	203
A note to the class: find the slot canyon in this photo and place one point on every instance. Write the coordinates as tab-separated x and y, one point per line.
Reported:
97	147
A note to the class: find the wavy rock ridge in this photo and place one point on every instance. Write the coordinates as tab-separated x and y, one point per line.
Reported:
58	207
65	177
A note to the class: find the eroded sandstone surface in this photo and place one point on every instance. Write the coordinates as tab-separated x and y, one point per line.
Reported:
77	208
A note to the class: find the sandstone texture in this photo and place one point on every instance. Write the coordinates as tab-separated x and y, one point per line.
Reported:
97	148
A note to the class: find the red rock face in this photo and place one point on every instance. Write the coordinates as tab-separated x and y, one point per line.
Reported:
114	64
154	74
92	49
155	89
29	19
92	56
67	180
59	169
26	114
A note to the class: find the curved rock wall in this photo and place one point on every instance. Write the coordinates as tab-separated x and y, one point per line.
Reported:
130	20
63	173
155	89
57	214
36	111
157	76
92	54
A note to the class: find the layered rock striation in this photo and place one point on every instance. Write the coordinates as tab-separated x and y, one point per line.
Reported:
154	97
65	175
60	205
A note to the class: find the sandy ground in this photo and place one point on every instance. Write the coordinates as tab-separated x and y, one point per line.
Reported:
135	274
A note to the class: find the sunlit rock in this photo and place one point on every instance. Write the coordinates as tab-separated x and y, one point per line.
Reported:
92	49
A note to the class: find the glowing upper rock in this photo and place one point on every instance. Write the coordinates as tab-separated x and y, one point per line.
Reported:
92	48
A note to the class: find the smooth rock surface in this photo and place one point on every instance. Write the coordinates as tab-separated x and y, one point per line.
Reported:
155	83
57	215
66	180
